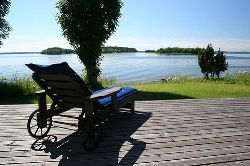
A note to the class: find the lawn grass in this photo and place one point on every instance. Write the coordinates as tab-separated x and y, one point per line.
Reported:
192	90
20	91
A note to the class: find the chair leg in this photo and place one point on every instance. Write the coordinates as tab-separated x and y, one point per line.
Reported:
114	108
42	104
132	107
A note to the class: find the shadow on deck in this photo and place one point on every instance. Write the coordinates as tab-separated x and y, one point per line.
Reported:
116	133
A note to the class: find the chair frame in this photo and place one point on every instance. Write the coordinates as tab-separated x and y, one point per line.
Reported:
89	123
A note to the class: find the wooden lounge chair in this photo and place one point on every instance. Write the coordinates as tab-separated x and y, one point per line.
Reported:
67	90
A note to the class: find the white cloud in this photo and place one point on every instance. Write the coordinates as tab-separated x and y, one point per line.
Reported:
149	43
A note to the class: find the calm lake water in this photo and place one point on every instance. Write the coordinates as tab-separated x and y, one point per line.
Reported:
124	67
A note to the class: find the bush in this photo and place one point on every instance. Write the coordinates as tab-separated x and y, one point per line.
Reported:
206	60
220	63
210	63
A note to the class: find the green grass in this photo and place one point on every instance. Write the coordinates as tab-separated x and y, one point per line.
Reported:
232	86
19	91
192	89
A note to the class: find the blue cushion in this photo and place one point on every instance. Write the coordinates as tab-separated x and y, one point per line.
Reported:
126	91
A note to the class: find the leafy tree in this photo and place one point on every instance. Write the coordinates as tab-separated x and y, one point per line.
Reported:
220	63
210	63
4	25
206	61
203	63
87	24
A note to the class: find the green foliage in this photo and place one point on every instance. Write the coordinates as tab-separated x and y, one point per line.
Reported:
107	82
210	63
203	62
240	78
57	51
17	87
110	49
87	24
177	50
148	51
4	25
206	60
220	63
103	81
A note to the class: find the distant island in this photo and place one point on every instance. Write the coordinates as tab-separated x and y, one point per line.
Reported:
175	50
109	49
57	51
187	51
113	49
150	51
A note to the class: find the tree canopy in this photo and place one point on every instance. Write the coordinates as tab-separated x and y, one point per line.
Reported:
220	63
87	24
211	63
4	25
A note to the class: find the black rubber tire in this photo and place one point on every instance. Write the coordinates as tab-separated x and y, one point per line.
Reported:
33	124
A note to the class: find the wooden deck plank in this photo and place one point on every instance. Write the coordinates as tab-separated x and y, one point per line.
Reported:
163	132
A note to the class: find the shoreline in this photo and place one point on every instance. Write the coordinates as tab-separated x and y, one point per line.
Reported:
226	52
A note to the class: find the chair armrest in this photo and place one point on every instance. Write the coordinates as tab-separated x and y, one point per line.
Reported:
105	93
40	92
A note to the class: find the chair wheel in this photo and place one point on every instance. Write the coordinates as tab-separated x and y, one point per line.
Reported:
38	126
92	134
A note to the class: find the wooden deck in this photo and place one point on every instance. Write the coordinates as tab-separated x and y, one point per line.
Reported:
178	132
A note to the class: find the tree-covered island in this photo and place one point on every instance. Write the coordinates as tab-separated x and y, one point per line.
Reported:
176	50
108	49
57	51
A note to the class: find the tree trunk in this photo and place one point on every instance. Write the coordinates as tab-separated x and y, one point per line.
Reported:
90	60
92	75
206	76
218	75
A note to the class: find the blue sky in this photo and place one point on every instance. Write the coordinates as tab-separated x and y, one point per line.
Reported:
144	24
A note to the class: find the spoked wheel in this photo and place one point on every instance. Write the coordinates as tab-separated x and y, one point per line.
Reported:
92	135
38	126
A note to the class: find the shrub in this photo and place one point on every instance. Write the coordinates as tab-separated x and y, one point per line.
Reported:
206	60
210	63
220	63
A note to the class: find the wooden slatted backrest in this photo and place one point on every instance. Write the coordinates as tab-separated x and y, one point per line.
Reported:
61	84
